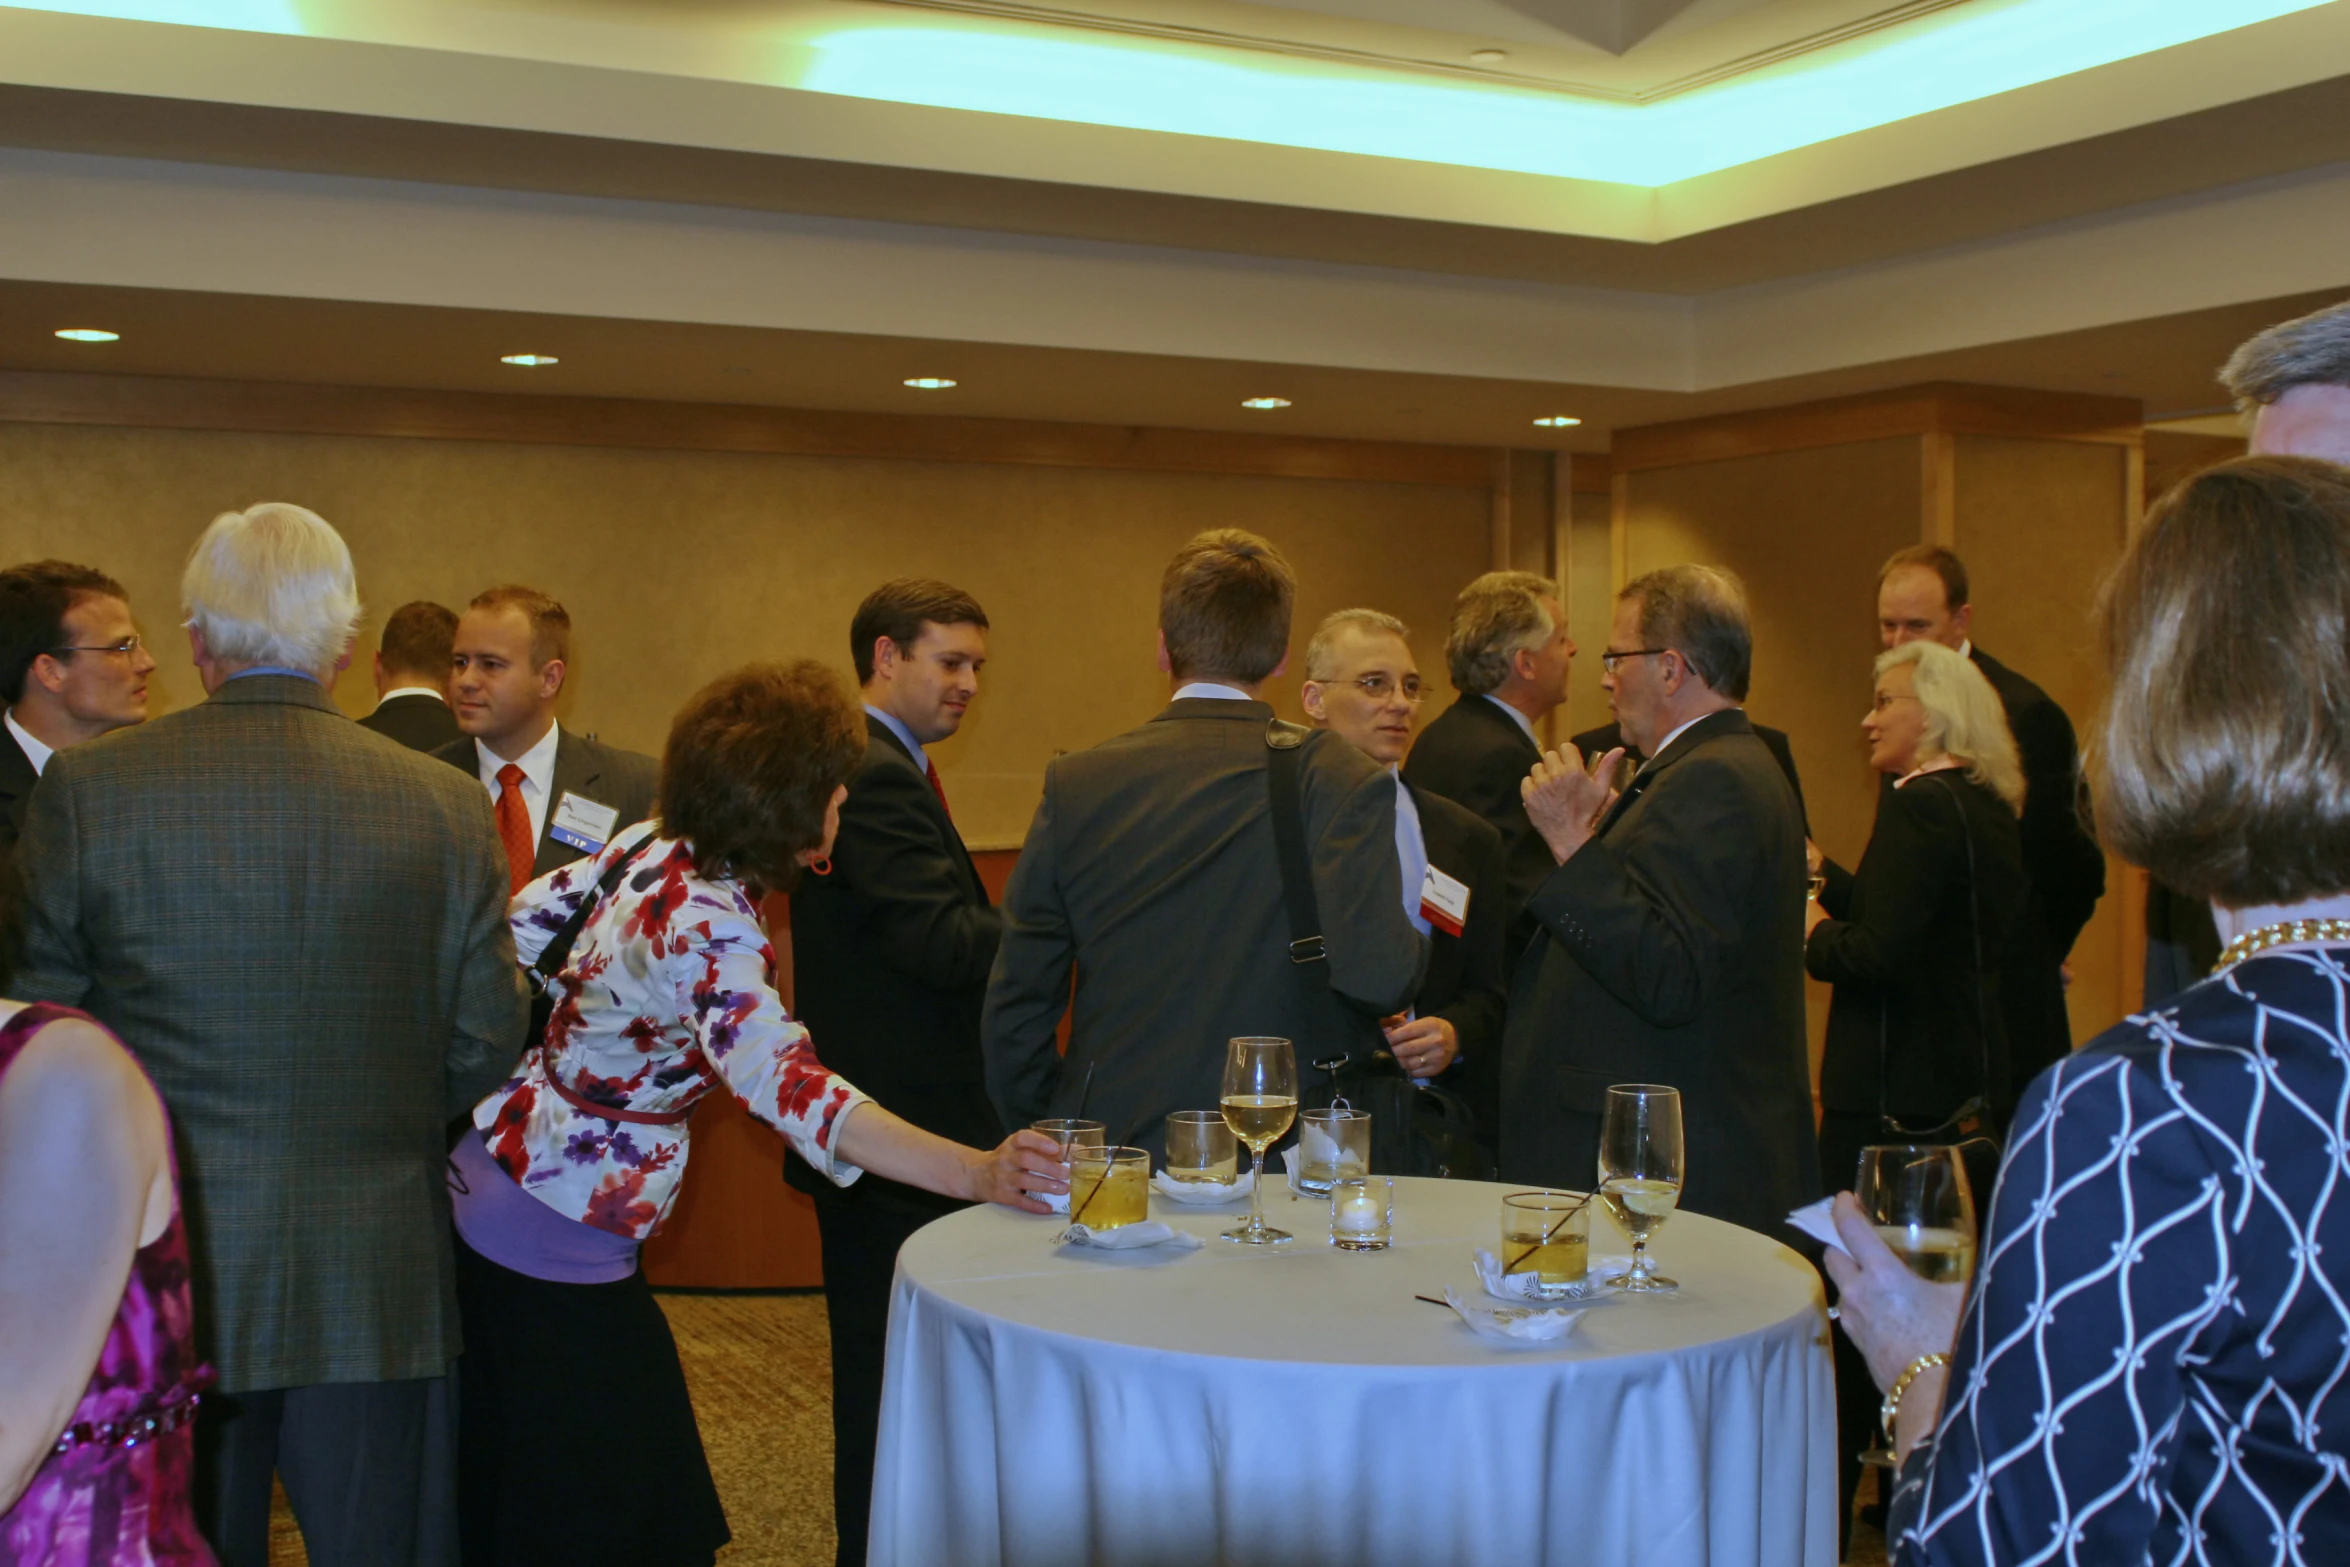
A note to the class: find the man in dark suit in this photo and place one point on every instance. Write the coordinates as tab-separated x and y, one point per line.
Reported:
412	677
1508	653
1150	874
1610	737
891	946
1672	947
1922	594
299	929
72	667
1363	685
557	796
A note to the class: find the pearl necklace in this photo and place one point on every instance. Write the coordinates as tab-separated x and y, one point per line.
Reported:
2278	935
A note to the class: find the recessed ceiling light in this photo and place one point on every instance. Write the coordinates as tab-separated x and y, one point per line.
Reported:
88	334
1488	56
528	361
1559	422
929	383
1264	402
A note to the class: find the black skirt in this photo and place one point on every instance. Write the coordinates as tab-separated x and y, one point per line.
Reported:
576	1441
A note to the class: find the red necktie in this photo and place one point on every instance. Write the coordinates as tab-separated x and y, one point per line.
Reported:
938	788
514	829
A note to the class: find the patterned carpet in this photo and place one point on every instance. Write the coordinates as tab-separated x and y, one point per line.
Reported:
760	1367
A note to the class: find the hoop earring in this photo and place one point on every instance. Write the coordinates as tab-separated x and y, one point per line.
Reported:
821	865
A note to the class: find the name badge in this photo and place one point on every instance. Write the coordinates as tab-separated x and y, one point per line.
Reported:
1444	902
582	823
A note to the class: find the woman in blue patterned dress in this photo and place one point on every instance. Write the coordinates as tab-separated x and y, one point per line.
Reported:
2154	1364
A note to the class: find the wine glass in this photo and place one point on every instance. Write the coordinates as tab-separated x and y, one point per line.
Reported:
1916	1195
1640	1170
1259	1100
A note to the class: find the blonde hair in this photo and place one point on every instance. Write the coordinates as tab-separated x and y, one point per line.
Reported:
1497	617
1322	652
1964	718
272	584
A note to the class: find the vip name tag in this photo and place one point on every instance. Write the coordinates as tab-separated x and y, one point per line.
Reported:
1444	902
585	825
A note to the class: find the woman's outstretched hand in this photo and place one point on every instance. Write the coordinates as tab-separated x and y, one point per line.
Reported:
1022	1163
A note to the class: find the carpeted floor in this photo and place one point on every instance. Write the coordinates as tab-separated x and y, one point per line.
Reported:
760	1367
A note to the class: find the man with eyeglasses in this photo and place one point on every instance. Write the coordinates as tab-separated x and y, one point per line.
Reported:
72	667
1363	685
1672	923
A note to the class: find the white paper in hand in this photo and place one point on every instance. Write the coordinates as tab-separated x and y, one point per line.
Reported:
1817	1221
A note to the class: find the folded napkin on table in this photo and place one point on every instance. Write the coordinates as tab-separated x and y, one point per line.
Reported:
1129	1237
1815	1221
1511	1324
1203	1191
1599	1280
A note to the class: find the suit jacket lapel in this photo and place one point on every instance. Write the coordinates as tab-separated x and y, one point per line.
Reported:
16	782
880	733
1688	740
575	772
1492	714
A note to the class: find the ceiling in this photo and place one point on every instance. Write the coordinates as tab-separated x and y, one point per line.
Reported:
672	198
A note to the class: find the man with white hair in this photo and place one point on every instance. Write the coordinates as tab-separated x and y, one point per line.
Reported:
298	926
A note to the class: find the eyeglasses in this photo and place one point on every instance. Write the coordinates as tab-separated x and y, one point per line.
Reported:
1380	687
1886	699
1609	661
127	646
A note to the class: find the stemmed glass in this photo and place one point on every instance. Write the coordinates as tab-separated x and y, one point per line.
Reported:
1259	1101
1640	1170
1916	1194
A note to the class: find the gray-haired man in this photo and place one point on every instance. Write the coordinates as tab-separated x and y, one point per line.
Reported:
298	926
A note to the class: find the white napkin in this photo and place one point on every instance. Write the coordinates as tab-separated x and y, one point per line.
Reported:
1202	1192
1815	1221
1520	1325
1129	1237
1600	1280
1057	1201
1292	1162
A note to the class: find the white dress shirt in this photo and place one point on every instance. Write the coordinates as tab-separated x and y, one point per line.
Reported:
34	751
1676	734
1212	691
538	776
396	692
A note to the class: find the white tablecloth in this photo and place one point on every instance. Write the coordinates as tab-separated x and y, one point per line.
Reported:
1297	1406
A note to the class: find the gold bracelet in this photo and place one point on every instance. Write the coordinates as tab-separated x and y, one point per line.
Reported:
1911	1373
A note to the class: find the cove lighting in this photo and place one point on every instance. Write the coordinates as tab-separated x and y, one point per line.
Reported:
88	334
929	383
244	16
1264	402
1558	422
528	361
1952	56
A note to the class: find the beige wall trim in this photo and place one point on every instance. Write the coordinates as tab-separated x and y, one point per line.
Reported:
1938	488
1944	408
283	408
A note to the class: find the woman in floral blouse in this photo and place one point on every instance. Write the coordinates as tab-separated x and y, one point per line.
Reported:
577	1440
2155	1362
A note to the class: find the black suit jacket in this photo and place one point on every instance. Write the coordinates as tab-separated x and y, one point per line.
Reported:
16	789
419	721
1598	742
627	781
1475	754
2062	862
890	956
1914	945
1150	876
1672	952
1465	985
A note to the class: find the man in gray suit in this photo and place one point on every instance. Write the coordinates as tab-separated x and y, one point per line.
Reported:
557	796
299	928
1150	871
1671	946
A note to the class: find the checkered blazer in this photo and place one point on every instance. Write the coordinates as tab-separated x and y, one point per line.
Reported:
299	928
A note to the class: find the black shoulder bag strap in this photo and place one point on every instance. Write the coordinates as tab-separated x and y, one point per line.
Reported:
558	951
1308	951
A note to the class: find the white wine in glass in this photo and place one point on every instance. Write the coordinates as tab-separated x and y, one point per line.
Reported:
1640	1170
1916	1196
1259	1101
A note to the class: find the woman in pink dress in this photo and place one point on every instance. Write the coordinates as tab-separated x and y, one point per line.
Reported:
99	1379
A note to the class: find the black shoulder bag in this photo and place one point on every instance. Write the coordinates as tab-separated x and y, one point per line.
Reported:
1415	1130
1972	1128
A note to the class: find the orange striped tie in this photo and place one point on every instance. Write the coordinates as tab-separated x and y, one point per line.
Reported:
514	829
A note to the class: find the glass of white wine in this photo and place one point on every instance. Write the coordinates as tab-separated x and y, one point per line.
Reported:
1640	1170
1916	1195
1259	1101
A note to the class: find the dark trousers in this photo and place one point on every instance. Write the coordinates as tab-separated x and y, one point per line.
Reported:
861	1237
357	1459
1859	1406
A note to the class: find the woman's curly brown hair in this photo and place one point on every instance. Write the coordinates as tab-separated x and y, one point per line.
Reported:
752	761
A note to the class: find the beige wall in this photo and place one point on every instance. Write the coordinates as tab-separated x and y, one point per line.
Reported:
677	565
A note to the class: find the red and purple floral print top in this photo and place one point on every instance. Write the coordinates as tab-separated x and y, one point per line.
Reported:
669	992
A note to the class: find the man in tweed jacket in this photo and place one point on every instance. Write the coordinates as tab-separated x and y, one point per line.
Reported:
298	927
